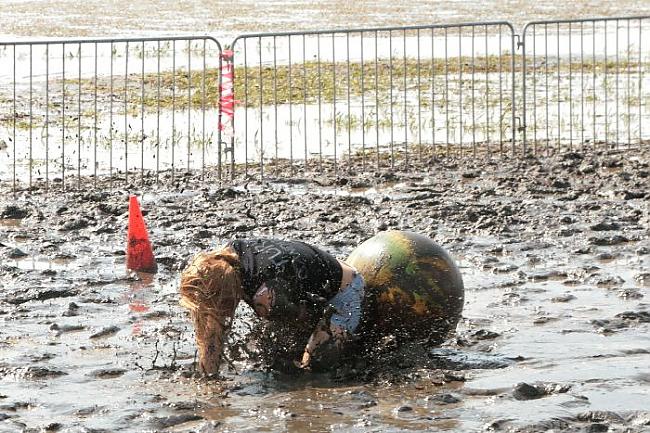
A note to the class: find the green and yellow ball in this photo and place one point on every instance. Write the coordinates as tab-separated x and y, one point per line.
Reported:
414	288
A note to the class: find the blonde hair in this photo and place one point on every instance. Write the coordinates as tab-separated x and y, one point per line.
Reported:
211	289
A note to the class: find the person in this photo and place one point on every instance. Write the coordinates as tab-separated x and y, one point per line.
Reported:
318	298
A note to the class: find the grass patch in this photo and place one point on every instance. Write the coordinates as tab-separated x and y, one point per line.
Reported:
300	83
310	82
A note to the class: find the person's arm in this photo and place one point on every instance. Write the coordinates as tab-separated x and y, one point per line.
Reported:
338	325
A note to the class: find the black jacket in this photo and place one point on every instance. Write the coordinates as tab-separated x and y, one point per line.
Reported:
302	277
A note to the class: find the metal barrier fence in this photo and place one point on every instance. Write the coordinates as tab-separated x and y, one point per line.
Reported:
586	83
152	108
122	107
377	96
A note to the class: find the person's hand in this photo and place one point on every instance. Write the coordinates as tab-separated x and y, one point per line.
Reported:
304	363
320	336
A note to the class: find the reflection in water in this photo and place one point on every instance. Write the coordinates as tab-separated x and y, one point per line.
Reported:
42	263
138	296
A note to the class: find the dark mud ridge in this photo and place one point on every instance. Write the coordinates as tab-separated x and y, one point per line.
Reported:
554	253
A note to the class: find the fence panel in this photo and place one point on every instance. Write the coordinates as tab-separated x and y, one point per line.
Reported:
373	98
352	99
135	109
586	83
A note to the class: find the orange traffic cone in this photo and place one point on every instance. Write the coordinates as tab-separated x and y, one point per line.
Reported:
139	256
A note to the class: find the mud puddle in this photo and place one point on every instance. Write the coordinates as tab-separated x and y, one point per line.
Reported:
554	254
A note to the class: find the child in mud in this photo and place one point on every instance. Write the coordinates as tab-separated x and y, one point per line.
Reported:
314	298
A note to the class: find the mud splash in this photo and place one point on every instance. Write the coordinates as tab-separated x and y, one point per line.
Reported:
554	253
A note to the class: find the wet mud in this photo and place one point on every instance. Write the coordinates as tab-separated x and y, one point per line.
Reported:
554	253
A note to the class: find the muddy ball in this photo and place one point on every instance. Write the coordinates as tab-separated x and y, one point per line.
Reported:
414	289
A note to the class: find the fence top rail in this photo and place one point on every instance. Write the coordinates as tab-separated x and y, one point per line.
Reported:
584	20
108	40
373	29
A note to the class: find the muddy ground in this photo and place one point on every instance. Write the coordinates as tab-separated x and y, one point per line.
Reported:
554	252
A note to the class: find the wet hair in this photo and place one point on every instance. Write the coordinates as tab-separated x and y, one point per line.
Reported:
210	289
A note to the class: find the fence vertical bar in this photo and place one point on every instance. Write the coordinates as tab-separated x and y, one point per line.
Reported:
593	58
627	93
406	128
559	99
534	89
142	116
189	105
501	88
334	97
447	90
487	92
259	45
582	86
419	98
522	45
433	93
31	115
640	83
473	94
110	131
95	118
173	110
304	89
570	90
460	89
363	106
62	116
158	114
605	87
245	68
203	78
275	99
390	71
320	105
347	68
230	59
79	121
617	85
513	114
547	102
377	96
13	116
47	117
126	114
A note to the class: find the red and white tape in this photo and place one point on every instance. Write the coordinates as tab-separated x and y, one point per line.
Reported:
227	100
